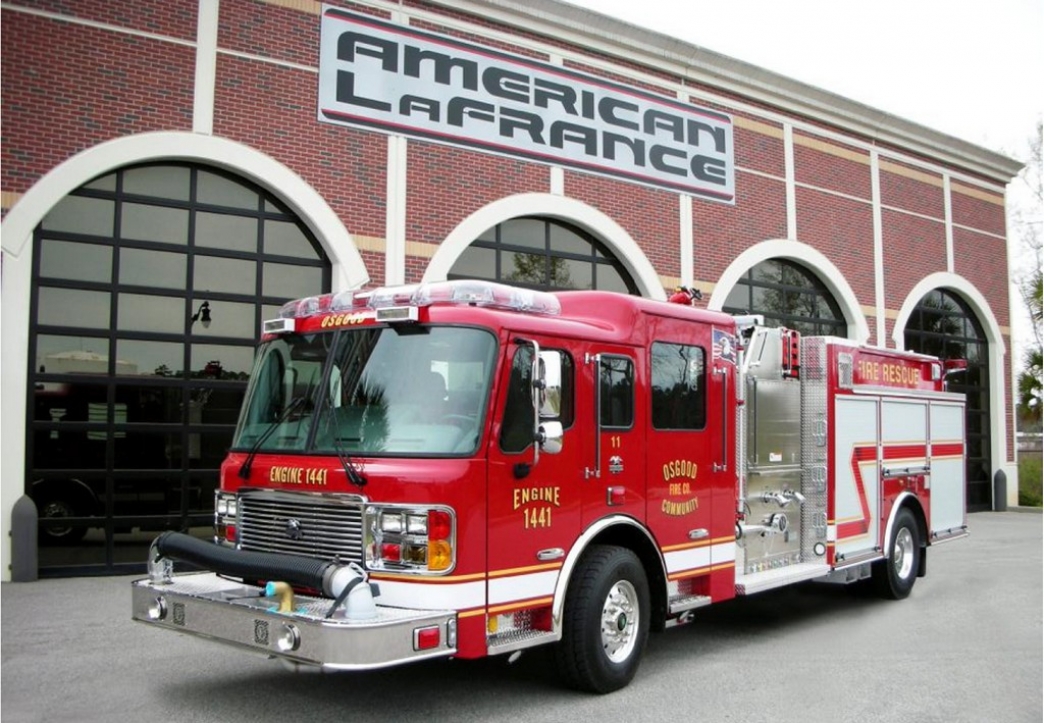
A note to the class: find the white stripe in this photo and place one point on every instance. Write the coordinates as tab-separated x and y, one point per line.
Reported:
440	596
725	552
522	587
697	557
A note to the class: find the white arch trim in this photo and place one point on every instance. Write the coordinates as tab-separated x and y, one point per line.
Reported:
549	205
265	171
858	329
16	238
998	369
963	288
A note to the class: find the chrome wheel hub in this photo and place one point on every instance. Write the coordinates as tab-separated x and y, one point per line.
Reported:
620	621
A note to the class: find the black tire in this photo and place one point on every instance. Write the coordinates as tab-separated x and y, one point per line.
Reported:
894	576
606	621
55	508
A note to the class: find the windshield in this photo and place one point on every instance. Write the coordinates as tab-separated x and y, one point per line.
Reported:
418	392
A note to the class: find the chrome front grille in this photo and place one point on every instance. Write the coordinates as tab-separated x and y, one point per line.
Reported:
318	526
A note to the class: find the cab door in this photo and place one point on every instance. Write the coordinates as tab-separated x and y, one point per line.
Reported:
533	488
614	472
688	463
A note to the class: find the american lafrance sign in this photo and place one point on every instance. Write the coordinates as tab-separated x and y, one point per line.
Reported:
401	80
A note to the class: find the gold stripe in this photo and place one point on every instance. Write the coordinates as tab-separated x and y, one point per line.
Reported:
764	129
519	605
857	156
471	613
416	248
8	199
670	282
304	6
977	193
921	176
436	580
686	546
369	243
521	570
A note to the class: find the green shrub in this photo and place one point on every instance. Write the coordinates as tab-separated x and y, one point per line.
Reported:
1031	469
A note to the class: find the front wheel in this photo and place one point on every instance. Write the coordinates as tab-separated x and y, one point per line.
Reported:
894	576
606	621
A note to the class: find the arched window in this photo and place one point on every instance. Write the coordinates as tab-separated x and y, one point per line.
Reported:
149	288
943	325
545	254
789	295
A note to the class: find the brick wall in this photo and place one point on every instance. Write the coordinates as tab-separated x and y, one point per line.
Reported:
69	87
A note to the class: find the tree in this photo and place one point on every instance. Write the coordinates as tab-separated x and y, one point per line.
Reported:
1029	281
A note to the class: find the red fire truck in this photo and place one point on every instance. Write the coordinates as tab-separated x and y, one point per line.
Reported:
464	469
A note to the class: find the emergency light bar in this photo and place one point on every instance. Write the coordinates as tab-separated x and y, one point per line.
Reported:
486	294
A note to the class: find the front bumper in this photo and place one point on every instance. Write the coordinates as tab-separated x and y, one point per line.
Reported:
230	612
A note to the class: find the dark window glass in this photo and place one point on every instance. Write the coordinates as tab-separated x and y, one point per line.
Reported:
787	294
679	387
516	431
943	325
616	389
540	253
134	401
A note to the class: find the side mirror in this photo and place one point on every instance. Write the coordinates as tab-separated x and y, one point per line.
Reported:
549	437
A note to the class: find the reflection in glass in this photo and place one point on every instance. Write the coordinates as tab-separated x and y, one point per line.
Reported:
284	238
75	261
212	361
292	282
228	318
139	312
79	214
522	232
73	307
385	394
228	276
787	294
215	190
943	325
149	358
55	354
139	477
476	262
225	231
154	223
563	257
141	267
679	396
168	182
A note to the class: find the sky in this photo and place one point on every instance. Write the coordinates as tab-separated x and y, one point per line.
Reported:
973	69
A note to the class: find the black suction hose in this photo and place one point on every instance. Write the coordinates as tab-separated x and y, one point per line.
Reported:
294	569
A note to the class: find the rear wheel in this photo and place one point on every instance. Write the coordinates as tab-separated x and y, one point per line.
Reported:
606	622
894	576
57	508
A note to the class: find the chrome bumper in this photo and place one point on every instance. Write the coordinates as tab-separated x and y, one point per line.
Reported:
230	612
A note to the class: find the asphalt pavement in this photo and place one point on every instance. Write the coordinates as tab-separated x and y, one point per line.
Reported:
966	646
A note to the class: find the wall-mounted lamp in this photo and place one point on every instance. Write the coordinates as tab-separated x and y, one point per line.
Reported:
202	315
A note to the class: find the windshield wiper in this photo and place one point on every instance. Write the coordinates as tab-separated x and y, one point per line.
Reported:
356	477
244	469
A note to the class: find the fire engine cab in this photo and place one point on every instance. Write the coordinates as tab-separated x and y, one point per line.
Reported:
464	469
